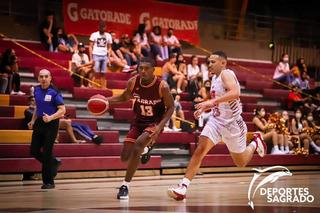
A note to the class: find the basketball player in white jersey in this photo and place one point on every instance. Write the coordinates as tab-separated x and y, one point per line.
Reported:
225	123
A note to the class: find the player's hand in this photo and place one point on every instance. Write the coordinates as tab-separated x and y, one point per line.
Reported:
154	135
197	114
205	105
46	118
30	125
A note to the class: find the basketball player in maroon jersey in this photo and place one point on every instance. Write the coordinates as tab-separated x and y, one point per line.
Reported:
153	107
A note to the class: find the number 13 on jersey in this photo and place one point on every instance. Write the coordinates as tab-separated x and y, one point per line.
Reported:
146	110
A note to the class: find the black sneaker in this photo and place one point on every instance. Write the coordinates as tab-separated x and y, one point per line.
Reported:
146	156
97	139
48	186
123	193
55	167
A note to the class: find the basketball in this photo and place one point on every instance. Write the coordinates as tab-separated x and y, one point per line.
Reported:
97	105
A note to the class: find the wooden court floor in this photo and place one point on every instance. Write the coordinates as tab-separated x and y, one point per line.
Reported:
207	193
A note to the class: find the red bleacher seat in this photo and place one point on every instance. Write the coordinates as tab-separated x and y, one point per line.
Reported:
176	137
116	84
118	76
86	93
108	136
8	111
276	94
249	107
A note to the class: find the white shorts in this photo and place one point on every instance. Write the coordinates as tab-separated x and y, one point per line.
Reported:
233	134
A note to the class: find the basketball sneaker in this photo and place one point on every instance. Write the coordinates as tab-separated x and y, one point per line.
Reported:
261	145
178	193
145	156
123	193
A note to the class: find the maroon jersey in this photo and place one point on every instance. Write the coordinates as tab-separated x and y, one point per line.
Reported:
148	105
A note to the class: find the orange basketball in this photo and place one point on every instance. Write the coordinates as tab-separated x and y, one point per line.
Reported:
97	105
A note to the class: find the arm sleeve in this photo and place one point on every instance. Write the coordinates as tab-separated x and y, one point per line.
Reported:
58	100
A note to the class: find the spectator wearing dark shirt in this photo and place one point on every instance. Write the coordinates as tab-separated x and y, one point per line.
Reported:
48	32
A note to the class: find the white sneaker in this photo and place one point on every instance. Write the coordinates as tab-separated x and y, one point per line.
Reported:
178	193
179	91
167	129
277	152
20	93
261	145
176	129
13	93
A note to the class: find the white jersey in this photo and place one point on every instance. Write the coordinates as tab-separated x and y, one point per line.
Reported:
225	112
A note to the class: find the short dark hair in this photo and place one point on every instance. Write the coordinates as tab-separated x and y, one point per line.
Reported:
148	60
173	55
221	54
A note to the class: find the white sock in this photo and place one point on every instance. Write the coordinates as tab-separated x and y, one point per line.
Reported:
282	148
253	144
315	146
185	181
276	147
125	183
287	149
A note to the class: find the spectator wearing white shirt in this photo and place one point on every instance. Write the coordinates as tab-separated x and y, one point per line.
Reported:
194	77
141	39
157	48
282	72
81	65
99	48
172	42
204	70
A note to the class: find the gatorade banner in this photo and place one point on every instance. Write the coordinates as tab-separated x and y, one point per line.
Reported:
81	17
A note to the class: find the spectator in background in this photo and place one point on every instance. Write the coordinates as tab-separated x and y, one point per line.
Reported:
295	99
81	65
181	65
140	39
9	69
282	72
48	32
173	76
116	57
83	130
194	77
204	95
204	70
300	67
67	43
159	51
268	131
99	50
172	42
126	48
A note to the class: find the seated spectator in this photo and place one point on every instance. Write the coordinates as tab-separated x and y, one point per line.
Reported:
173	76
194	77
48	32
67	43
68	125
302	82
178	113
181	64
10	76
126	48
204	70
268	131
140	40
282	72
204	95
83	130
158	49
172	42
295	99
300	67
82	66
313	132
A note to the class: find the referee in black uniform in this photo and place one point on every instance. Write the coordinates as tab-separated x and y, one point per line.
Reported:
45	124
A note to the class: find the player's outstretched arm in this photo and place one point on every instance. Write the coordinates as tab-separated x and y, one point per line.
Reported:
126	94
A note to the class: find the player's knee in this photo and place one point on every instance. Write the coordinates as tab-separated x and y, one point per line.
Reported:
200	152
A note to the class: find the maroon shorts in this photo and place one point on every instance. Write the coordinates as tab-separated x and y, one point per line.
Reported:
136	130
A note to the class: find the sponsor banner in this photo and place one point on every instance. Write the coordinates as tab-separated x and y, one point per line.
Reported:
81	17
